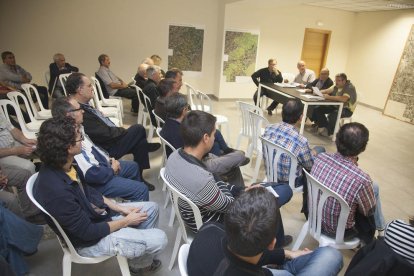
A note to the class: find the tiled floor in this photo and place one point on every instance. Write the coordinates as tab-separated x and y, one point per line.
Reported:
389	159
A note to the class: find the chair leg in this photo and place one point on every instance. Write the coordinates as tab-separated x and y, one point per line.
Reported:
67	265
176	247
257	166
150	132
167	199
123	265
172	217
301	236
239	141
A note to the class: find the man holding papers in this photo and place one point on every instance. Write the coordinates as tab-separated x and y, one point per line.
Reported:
343	91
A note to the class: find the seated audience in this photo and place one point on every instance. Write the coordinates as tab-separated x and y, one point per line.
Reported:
151	90
269	74
165	88
109	176
141	76
15	148
285	134
18	239
186	171
14	76
227	166
117	141
343	91
177	75
393	255
12	176
115	85
246	244
58	67
323	82
157	61
340	172
304	76
95	224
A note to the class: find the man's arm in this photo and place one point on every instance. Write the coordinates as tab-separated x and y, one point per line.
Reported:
19	136
255	77
343	98
212	198
366	199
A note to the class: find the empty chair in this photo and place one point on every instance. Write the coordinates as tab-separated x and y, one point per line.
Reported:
317	196
191	94
63	78
177	196
111	102
271	154
257	123
3	109
182	259
111	112
246	128
288	76
34	124
69	252
41	113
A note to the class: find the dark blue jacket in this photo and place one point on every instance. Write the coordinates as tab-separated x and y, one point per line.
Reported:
64	200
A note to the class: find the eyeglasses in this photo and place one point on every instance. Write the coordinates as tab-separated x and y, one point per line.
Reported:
81	138
76	109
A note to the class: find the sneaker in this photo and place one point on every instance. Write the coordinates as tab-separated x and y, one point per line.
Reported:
155	266
149	185
245	162
153	147
269	112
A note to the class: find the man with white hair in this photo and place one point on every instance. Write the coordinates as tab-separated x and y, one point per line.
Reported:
150	88
115	85
141	76
305	75
57	67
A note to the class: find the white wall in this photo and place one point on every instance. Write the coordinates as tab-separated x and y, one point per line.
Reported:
282	31
377	45
126	30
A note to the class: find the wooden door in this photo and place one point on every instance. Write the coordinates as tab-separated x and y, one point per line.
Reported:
315	48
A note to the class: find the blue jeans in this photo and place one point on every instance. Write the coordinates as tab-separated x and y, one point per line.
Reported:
17	237
322	261
127	184
219	144
378	216
139	244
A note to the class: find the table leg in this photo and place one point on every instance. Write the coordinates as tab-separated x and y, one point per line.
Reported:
302	123
337	121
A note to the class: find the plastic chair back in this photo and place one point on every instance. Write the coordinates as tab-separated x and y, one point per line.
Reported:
63	78
191	93
246	128
272	153
43	113
3	109
142	116
158	119
182	259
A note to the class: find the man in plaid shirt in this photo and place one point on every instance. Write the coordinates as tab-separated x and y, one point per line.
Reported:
285	134
340	172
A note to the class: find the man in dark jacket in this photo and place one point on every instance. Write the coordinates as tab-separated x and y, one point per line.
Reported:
58	67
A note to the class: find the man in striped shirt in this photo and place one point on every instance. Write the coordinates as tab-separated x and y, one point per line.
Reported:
340	172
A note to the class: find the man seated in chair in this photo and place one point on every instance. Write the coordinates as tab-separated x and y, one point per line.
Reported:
304	76
343	91
165	88
141	76
14	76
246	244
286	134
340	172
113	178
177	75
150	89
187	172
95	225
117	141
58	67
114	84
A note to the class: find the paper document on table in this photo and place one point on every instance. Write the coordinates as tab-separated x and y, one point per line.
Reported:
312	97
270	189
285	85
317	92
301	90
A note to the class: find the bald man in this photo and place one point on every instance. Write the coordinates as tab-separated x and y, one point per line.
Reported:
323	82
305	75
141	76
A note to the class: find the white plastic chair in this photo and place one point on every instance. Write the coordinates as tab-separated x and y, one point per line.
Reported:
246	128
69	253
257	123
63	78
347	120
317	196
113	112
158	119
111	102
3	109
165	144
182	230
34	124
271	154
41	114
147	117
191	93
288	76
142	113
182	259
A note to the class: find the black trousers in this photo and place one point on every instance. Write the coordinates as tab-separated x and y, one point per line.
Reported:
129	93
272	106
321	120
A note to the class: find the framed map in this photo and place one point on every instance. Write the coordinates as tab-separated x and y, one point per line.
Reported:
185	47
400	102
240	52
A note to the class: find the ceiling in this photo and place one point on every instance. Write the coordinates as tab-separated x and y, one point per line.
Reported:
346	5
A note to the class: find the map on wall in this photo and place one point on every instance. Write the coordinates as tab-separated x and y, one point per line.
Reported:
240	52
400	103
185	46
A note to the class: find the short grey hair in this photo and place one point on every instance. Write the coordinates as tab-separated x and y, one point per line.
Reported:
56	56
151	70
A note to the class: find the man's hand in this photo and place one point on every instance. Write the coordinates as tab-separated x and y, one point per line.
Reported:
24	150
25	79
135	218
3	180
29	142
286	81
115	165
125	210
302	85
294	254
